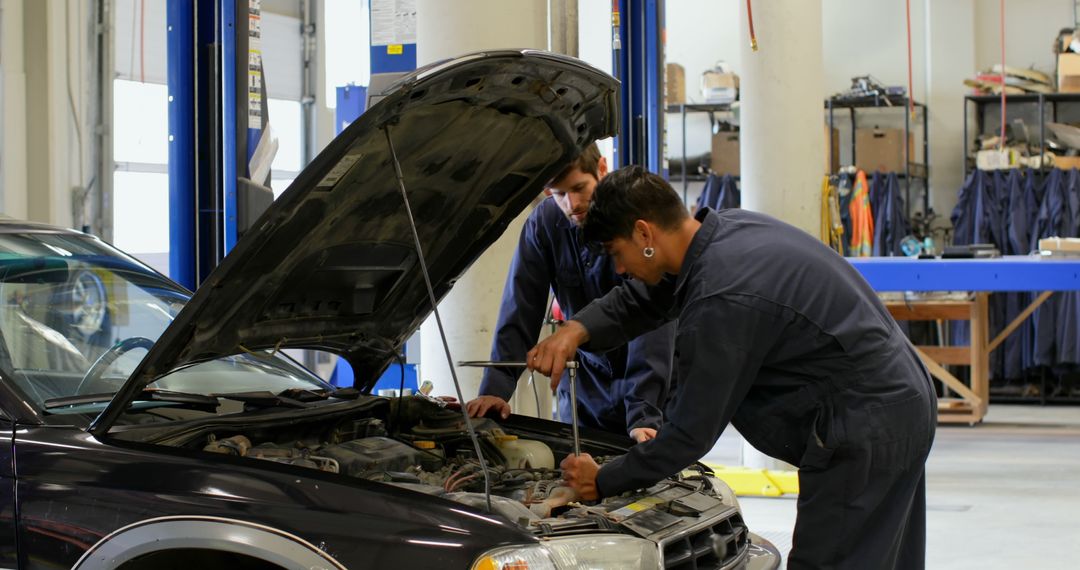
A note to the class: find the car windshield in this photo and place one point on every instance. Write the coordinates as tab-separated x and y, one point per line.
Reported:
77	317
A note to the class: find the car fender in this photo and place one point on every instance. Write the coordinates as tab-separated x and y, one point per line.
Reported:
203	532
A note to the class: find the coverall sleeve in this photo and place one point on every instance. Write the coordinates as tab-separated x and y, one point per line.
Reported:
627	312
721	345
521	313
648	372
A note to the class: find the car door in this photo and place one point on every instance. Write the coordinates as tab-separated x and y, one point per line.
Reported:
8	551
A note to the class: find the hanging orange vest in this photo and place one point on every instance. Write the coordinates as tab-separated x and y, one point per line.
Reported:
862	219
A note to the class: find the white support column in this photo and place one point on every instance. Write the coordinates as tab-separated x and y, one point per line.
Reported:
469	312
58	134
950	41
782	138
13	116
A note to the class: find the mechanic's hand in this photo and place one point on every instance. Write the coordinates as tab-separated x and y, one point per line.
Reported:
580	474
551	355
481	405
642	434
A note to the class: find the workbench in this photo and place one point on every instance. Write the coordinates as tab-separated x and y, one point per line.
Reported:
981	277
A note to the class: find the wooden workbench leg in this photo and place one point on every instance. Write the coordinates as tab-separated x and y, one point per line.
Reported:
980	353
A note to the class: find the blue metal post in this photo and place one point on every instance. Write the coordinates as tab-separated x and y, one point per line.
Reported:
229	105
350	104
652	86
637	66
180	50
399	58
620	69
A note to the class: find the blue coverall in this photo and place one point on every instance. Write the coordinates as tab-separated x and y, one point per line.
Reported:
618	391
783	338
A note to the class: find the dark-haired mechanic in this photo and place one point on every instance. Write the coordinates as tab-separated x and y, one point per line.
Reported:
782	337
621	391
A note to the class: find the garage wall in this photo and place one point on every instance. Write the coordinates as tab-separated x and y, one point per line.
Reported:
48	124
950	40
1030	27
12	111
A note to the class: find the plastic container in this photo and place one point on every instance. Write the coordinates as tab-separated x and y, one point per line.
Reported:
431	456
525	453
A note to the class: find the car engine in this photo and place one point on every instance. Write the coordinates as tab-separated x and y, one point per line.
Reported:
417	444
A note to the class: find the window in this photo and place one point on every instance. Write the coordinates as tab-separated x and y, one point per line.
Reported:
287	124
348	51
141	179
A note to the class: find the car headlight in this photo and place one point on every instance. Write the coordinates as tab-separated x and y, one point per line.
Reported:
594	552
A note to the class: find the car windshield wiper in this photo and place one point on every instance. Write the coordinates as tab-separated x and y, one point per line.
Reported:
291	398
147	395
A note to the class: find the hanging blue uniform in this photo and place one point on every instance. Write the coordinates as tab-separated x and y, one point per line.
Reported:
1017	242
1033	197
617	391
1054	219
979	218
782	337
890	218
720	193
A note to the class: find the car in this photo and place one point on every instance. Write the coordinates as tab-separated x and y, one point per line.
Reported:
154	428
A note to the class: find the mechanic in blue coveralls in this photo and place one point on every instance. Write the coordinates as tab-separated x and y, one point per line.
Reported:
622	391
783	338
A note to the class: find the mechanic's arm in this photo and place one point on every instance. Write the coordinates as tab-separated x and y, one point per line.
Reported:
521	316
648	373
721	345
626	312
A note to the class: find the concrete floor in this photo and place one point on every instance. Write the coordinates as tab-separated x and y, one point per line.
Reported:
1003	494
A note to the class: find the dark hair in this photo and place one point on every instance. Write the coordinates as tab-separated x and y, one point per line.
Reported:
588	162
629	194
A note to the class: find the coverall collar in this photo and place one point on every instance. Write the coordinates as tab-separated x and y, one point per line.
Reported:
710	223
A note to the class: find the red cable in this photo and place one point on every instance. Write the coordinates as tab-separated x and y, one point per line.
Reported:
1001	145
910	83
750	17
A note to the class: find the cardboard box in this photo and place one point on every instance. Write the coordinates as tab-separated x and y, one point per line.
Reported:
725	153
881	150
719	87
1068	73
674	84
833	166
1070	245
1066	162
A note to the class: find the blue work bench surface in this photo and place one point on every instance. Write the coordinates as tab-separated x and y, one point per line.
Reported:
1009	273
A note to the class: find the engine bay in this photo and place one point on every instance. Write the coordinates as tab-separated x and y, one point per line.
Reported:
418	444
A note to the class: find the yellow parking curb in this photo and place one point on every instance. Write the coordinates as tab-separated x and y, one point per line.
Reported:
749	482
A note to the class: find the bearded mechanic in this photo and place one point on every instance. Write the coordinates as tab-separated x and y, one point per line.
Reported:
621	391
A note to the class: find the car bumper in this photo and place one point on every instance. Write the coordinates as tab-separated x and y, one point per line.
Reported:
763	555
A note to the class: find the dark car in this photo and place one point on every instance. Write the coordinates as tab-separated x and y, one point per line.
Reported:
152	428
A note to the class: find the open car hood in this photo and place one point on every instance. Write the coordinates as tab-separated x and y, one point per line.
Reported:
332	264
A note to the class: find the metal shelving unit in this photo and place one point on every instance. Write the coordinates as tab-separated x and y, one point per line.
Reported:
683	109
912	171
1041	100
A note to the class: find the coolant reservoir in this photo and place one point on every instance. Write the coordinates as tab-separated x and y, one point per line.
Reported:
523	453
432	457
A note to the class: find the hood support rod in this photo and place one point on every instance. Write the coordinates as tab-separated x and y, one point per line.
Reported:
438	319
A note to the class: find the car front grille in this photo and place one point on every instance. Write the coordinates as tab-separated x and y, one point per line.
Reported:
718	546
